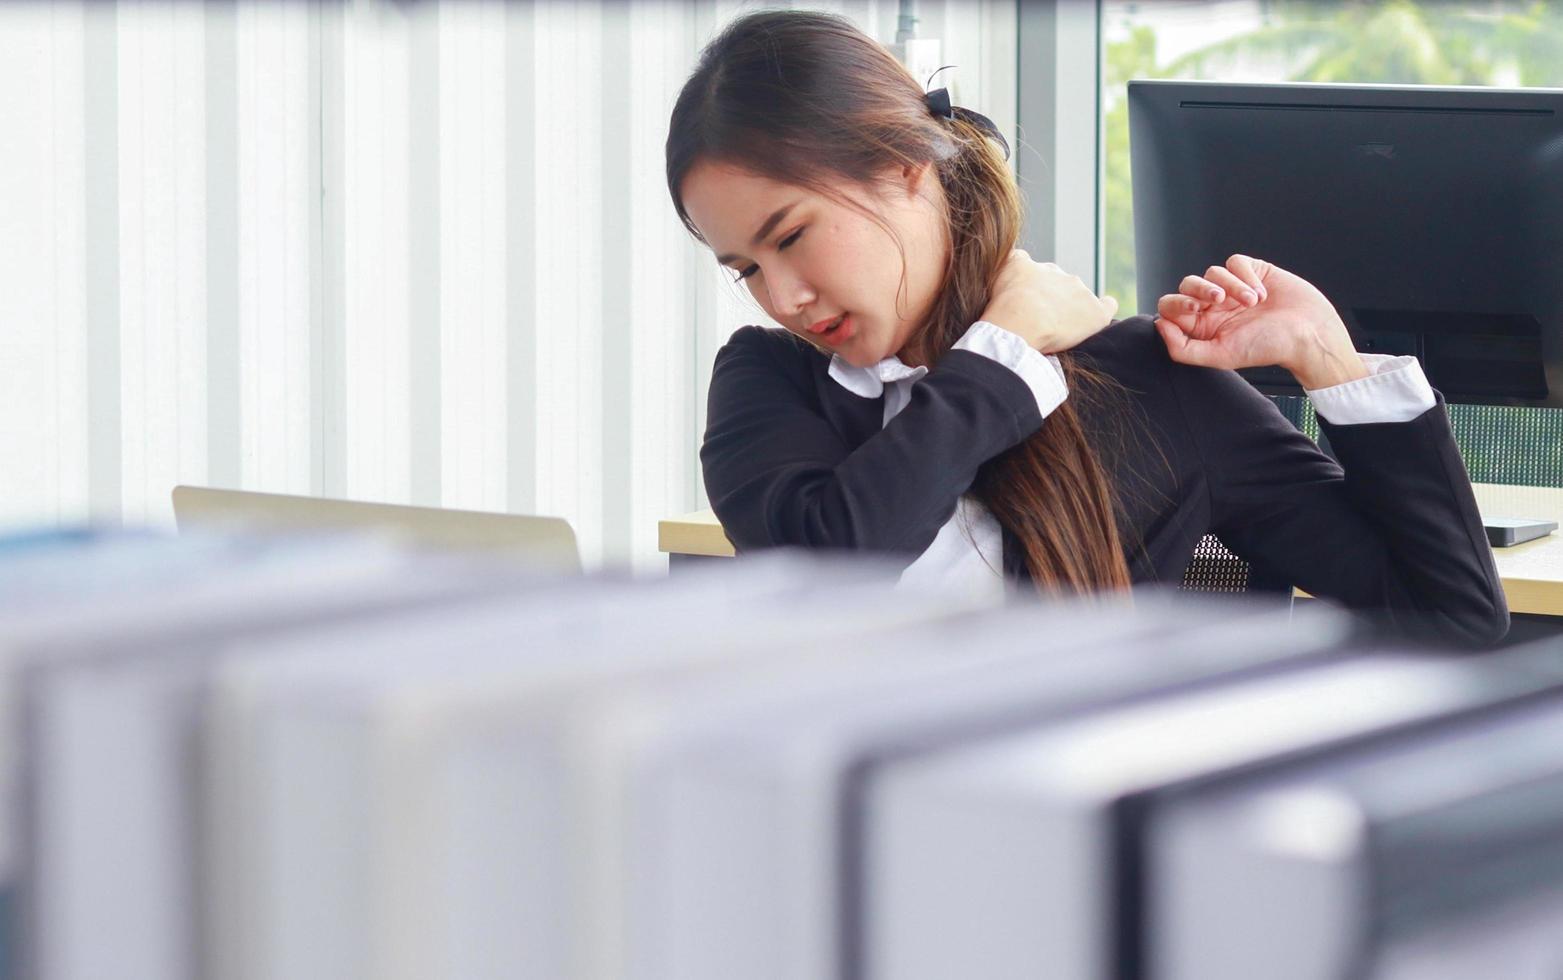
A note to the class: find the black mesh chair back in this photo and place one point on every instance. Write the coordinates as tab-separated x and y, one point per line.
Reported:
1214	569
1517	446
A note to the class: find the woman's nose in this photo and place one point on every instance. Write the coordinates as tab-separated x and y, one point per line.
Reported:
790	294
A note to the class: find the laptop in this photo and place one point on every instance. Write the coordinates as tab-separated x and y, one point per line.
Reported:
545	541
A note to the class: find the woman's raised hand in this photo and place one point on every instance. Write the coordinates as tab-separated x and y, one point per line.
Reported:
1051	309
1250	313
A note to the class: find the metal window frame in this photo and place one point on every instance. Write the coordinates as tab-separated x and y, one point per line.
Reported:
1059	117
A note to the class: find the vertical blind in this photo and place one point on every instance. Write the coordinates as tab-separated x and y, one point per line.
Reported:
407	252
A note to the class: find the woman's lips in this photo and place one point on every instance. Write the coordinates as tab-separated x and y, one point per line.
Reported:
839	334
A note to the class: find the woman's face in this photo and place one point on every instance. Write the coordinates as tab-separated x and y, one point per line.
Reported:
823	269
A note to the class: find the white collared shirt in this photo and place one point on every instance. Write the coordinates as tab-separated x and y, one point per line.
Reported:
967	555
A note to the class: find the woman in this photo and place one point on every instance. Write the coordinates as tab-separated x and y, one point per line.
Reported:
939	396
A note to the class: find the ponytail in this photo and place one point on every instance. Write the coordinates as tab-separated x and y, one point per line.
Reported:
1050	492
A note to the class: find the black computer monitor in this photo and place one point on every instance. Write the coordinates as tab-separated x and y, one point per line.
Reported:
1431	217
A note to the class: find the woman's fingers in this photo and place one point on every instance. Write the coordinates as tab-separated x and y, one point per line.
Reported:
1110	305
1252	272
1239	283
1183	348
1191	320
1241	292
1202	289
1212	294
1180	309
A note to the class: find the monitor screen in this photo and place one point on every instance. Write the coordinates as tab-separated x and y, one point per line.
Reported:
1431	217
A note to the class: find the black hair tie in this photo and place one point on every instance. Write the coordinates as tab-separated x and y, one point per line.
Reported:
938	102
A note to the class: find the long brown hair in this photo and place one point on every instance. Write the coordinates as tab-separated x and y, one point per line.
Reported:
807	99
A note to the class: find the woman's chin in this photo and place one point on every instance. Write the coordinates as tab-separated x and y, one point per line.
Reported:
859	355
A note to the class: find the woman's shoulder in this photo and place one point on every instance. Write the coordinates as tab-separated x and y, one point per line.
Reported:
1132	353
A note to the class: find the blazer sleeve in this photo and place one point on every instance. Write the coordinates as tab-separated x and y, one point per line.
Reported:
778	472
1392	527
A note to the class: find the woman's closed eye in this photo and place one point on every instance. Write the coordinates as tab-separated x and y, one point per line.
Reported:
781	246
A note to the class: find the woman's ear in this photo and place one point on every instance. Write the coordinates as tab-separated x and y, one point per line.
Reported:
912	177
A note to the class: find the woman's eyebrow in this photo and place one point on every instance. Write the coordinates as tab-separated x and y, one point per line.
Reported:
765	229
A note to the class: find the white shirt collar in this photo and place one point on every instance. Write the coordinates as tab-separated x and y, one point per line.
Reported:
869	382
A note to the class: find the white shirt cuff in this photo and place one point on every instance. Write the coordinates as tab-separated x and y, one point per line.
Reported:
1395	390
1041	372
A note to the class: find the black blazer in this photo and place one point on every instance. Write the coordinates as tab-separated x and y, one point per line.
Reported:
792	458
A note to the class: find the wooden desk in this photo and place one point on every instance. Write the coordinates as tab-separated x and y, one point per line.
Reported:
699	533
1532	572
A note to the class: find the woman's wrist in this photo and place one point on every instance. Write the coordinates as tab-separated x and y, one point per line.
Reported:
1325	356
1000	313
1328	368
